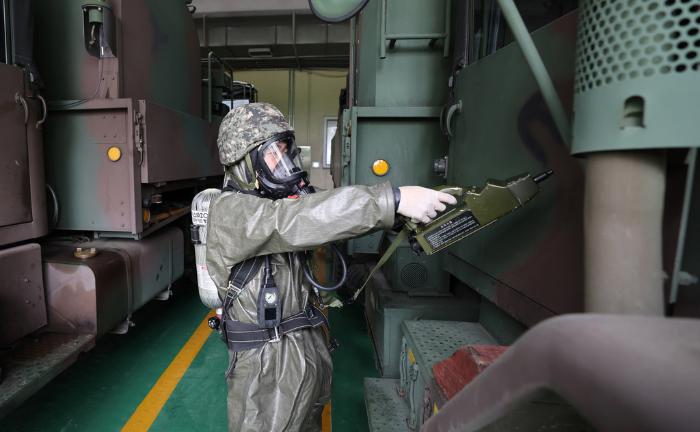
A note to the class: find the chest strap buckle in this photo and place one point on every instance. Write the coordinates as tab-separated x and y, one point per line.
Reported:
276	337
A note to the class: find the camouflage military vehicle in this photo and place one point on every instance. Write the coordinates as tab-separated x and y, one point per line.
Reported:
455	92
109	129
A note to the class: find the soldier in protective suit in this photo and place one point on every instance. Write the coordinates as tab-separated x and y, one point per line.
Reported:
279	378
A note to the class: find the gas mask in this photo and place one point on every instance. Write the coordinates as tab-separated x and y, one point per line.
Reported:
278	168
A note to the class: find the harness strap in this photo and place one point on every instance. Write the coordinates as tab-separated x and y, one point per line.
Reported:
240	275
233	187
269	302
243	336
389	251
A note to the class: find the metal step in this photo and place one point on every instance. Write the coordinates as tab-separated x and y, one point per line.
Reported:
34	362
426	343
386	411
434	341
386	310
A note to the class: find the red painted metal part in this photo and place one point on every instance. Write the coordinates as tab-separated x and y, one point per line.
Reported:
455	372
616	372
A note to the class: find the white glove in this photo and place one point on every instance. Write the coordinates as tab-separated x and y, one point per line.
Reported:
422	204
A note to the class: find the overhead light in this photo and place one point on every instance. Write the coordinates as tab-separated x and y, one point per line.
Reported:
259	52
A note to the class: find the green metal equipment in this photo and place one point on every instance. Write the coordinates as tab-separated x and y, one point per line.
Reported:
125	133
629	70
505	126
424	344
410	104
476	209
125	149
387	307
636	92
395	97
633	63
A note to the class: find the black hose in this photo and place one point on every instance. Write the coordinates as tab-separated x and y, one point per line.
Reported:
315	283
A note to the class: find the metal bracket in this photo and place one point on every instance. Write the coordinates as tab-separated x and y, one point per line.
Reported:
403	369
414	373
678	276
20	100
427	404
123	327
164	295
45	111
138	134
454	109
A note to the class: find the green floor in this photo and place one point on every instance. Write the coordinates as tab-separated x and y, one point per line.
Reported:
103	388
353	361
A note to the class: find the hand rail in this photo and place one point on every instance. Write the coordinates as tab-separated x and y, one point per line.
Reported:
534	60
211	56
433	37
454	109
45	111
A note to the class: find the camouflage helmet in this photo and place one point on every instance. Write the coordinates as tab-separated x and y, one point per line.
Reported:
246	127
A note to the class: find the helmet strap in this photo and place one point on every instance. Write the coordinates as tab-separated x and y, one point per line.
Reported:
253	183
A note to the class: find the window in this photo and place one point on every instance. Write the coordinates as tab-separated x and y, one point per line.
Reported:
306	163
330	124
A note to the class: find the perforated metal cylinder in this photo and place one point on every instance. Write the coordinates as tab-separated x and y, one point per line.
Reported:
637	82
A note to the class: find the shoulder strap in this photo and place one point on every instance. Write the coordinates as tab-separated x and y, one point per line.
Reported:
269	302
233	187
240	275
389	251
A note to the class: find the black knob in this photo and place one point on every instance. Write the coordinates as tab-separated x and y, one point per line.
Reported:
415	246
214	323
440	166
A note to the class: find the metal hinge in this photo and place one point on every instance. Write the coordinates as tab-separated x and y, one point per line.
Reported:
138	134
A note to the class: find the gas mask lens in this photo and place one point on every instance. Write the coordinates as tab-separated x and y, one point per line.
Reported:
278	166
281	158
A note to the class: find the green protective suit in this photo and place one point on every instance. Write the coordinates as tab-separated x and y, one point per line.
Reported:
283	386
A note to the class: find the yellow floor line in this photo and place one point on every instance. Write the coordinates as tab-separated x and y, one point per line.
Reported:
326	419
149	408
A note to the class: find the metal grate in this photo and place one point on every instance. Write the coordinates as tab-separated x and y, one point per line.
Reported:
619	40
414	275
35	361
386	411
434	341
